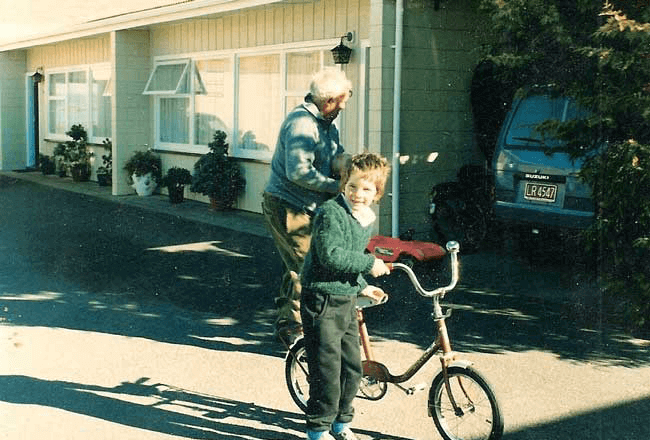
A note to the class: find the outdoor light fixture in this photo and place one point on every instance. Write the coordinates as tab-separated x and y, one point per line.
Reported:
37	76
341	53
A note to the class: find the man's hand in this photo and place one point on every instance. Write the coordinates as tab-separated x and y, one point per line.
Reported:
379	268
339	163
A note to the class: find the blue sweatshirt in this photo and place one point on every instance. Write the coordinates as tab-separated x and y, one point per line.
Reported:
301	163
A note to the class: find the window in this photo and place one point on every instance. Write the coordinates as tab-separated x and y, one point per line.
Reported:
56	104
260	104
101	98
169	78
246	96
80	96
213	110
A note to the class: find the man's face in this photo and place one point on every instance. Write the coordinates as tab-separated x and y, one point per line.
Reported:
333	106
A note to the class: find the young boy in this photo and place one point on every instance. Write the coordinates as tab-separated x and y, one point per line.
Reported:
331	280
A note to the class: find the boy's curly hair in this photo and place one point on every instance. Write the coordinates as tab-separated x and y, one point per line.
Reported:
373	167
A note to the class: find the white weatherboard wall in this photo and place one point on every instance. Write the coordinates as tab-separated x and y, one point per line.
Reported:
13	150
131	115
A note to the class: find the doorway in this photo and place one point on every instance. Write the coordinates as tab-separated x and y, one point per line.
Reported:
32	129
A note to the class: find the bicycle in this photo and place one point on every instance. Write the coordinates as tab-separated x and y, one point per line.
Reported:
461	401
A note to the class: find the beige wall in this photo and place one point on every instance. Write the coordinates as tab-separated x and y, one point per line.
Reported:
84	51
267	26
440	51
13	149
131	109
441	48
70	53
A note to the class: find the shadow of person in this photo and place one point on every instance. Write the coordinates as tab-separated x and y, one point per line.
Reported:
161	408
155	407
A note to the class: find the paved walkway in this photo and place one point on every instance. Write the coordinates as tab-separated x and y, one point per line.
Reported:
241	221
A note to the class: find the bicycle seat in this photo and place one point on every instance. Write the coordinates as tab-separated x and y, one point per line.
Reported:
390	249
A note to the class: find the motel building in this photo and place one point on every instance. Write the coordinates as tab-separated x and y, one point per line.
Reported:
166	74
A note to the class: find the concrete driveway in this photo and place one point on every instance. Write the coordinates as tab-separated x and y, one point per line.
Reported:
121	322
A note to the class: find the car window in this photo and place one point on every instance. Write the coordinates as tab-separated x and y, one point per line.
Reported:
534	110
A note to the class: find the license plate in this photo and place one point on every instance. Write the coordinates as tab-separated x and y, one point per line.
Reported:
541	192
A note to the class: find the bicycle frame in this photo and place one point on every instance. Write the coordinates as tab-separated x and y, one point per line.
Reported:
380	372
461	402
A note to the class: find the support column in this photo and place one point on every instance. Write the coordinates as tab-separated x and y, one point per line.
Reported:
13	134
131	63
380	89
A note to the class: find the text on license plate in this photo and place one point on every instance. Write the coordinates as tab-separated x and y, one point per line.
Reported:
540	191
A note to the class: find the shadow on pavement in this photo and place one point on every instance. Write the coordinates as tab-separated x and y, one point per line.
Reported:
622	422
94	265
491	314
161	408
81	263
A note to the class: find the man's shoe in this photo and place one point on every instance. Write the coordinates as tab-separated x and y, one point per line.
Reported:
346	434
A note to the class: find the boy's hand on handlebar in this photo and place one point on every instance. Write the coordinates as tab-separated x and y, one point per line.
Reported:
379	268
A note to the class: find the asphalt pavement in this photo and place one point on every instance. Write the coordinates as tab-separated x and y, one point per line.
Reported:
131	318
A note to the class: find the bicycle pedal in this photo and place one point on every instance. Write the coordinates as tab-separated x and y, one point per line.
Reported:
416	389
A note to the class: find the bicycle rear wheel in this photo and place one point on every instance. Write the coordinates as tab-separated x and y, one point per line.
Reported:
296	374
478	416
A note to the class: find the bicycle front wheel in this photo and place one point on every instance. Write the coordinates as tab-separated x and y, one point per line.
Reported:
476	415
296	374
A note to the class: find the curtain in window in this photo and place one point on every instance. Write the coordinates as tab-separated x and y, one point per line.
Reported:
56	104
101	104
260	102
213	110
300	68
174	120
78	98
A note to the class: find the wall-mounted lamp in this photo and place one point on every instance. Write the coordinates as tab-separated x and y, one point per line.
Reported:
37	76
341	53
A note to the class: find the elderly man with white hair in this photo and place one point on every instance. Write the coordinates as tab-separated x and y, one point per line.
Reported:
304	168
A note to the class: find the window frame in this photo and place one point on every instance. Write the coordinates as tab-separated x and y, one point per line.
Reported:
65	98
323	46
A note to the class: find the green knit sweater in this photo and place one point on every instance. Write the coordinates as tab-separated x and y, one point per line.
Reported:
337	259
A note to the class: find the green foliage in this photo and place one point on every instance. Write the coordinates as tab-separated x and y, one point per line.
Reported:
144	162
598	52
176	176
620	236
107	159
218	175
75	151
74	154
46	164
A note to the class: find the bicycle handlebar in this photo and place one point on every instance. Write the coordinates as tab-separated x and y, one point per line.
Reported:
452	247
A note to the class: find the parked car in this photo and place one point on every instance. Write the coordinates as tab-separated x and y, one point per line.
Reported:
534	187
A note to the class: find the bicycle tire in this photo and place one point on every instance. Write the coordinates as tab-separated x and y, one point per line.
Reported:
295	374
479	416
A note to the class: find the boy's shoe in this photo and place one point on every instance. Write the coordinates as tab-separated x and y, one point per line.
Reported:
346	434
326	436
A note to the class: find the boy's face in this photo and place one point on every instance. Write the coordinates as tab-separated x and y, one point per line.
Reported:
359	190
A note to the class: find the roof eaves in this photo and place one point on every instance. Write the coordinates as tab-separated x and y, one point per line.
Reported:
181	10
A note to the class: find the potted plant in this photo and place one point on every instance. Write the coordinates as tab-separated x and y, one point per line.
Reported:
144	171
47	165
59	160
105	172
175	181
218	175
75	154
